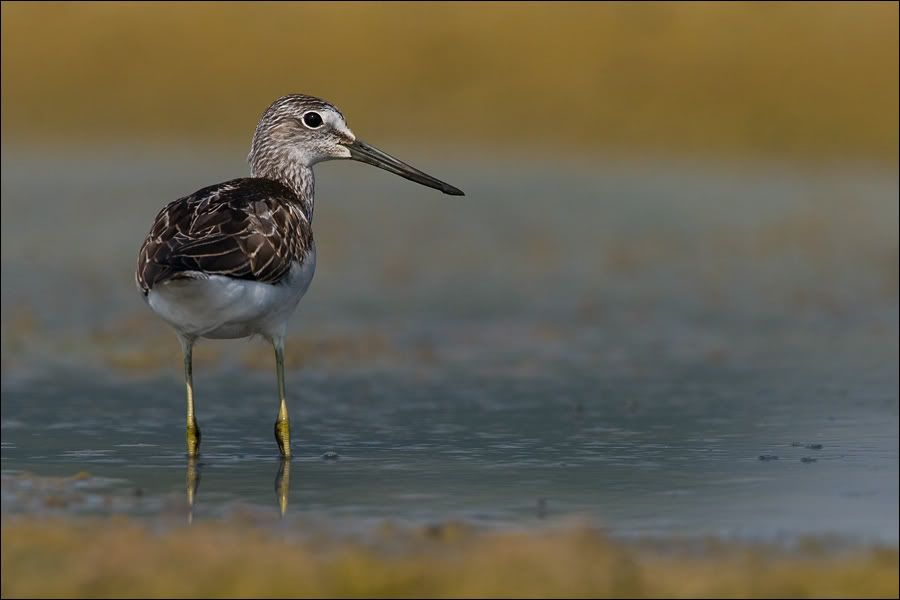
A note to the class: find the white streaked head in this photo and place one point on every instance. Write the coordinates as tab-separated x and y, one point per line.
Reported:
301	130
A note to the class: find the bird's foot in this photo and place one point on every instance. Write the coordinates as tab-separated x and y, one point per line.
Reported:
283	437
193	439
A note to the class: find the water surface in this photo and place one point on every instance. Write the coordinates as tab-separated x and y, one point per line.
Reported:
661	349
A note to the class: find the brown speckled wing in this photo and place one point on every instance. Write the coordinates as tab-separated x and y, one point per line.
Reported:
249	228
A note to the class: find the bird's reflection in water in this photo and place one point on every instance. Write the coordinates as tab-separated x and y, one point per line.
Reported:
193	482
282	485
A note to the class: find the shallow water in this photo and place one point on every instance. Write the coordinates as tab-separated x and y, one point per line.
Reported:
618	342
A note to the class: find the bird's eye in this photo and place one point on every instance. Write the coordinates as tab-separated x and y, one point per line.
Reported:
312	120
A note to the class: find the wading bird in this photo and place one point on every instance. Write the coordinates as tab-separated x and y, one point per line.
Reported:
232	260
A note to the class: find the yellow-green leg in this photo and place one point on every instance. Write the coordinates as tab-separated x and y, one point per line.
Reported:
282	423
193	432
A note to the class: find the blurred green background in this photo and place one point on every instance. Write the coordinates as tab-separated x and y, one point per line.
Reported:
657	132
799	81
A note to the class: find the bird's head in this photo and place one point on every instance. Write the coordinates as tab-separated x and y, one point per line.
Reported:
300	131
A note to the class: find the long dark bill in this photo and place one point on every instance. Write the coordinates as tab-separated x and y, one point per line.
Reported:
365	153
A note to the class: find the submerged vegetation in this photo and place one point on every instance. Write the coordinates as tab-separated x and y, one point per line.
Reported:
790	80
122	558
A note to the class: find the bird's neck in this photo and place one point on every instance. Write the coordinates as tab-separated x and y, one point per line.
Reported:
295	175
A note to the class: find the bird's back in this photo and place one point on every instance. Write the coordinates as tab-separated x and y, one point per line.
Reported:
250	228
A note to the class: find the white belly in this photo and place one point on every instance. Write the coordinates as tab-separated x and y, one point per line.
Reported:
224	308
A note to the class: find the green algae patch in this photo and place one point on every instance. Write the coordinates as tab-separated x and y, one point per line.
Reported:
124	558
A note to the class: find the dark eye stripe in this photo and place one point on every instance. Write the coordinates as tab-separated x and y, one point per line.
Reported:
312	119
